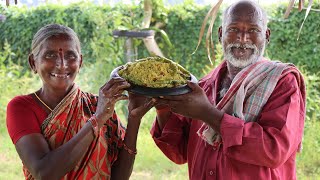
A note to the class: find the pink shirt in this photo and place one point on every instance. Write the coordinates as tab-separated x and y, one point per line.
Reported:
265	149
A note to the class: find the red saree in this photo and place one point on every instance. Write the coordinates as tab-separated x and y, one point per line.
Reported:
64	122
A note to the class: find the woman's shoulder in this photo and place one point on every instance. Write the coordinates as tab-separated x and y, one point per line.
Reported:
21	100
24	103
24	116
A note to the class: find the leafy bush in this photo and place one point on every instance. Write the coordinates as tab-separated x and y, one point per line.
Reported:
312	81
11	82
95	24
102	52
284	33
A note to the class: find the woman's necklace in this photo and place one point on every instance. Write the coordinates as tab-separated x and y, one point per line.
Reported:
42	102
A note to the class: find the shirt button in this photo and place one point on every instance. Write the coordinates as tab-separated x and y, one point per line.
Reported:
211	173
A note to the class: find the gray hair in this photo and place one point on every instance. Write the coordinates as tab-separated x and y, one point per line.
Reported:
52	30
261	13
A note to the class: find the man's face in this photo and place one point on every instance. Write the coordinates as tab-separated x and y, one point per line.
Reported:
243	36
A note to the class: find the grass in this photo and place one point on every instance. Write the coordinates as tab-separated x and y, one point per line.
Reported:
308	161
10	163
151	163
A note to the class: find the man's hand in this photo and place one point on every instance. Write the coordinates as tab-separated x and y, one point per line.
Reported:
194	105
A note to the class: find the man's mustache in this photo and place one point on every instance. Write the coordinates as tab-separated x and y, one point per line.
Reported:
242	46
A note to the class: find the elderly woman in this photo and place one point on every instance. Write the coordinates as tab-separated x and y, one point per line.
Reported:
60	131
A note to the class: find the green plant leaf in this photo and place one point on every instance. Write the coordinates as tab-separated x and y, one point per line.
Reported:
305	17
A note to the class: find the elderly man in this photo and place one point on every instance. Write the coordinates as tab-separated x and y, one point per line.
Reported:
245	119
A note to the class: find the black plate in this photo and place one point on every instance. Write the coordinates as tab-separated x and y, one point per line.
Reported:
154	92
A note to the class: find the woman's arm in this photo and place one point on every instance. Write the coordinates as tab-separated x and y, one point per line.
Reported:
44	163
138	107
122	168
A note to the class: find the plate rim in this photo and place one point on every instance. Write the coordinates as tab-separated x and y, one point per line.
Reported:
183	89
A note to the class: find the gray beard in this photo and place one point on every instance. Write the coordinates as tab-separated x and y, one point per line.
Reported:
242	63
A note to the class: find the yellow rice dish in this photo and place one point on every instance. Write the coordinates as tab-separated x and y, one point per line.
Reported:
155	72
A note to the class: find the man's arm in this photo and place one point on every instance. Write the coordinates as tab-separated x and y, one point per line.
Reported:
277	133
163	115
195	105
172	138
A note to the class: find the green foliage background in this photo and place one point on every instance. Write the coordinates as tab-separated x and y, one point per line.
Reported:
94	25
284	44
102	52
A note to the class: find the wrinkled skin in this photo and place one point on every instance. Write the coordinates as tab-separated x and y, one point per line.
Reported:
109	94
194	105
57	65
139	105
244	25
185	104
112	92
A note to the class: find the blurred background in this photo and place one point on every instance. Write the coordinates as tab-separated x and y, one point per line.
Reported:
113	2
176	25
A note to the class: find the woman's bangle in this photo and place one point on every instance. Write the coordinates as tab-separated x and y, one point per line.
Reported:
130	151
94	124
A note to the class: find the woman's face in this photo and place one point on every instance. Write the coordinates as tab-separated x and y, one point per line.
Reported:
57	63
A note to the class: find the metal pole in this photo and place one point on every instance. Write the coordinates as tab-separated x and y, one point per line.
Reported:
130	52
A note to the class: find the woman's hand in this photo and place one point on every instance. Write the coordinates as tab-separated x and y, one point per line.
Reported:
109	94
139	106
